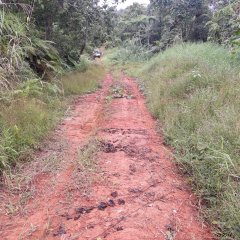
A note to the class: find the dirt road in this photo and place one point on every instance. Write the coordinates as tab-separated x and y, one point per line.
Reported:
108	175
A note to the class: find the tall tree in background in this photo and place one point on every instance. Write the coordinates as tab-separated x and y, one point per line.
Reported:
34	33
164	22
135	23
180	20
224	26
73	24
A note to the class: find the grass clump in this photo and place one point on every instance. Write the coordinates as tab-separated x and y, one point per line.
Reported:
194	90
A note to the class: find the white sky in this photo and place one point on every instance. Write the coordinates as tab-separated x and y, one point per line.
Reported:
130	2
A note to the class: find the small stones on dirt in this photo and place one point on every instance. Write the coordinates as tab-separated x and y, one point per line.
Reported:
132	168
61	231
67	216
111	203
82	210
102	206
119	228
77	217
90	226
125	131
114	194
121	201
108	147
116	174
111	130
131	151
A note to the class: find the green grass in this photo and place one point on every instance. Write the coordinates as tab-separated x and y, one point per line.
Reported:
78	83
28	113
194	90
128	53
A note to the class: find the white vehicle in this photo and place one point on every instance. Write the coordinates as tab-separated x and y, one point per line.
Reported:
97	53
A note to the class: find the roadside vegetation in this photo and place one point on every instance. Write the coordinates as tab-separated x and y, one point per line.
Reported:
193	89
34	108
76	84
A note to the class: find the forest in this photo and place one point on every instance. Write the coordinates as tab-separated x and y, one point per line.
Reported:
185	55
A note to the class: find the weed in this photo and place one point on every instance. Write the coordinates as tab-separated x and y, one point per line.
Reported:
19	181
24	123
86	166
87	155
29	232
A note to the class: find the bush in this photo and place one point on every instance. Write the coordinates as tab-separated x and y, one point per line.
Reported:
194	90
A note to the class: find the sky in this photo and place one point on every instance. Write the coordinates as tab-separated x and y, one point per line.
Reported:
130	2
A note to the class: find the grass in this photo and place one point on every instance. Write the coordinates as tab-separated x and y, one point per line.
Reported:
87	155
76	83
128	53
24	123
86	166
193	89
28	113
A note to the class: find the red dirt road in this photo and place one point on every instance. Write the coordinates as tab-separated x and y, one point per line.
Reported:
134	193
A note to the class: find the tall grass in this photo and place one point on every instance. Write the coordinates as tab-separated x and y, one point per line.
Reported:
129	52
29	112
75	83
194	90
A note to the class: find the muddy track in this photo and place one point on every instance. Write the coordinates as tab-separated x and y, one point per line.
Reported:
134	192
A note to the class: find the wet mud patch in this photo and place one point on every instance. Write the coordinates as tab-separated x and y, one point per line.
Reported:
133	151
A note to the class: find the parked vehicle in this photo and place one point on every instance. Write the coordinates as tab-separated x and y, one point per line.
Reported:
97	53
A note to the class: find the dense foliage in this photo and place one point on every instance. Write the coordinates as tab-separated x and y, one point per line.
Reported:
40	37
165	22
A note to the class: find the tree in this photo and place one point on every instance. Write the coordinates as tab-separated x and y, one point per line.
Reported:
224	25
183	20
